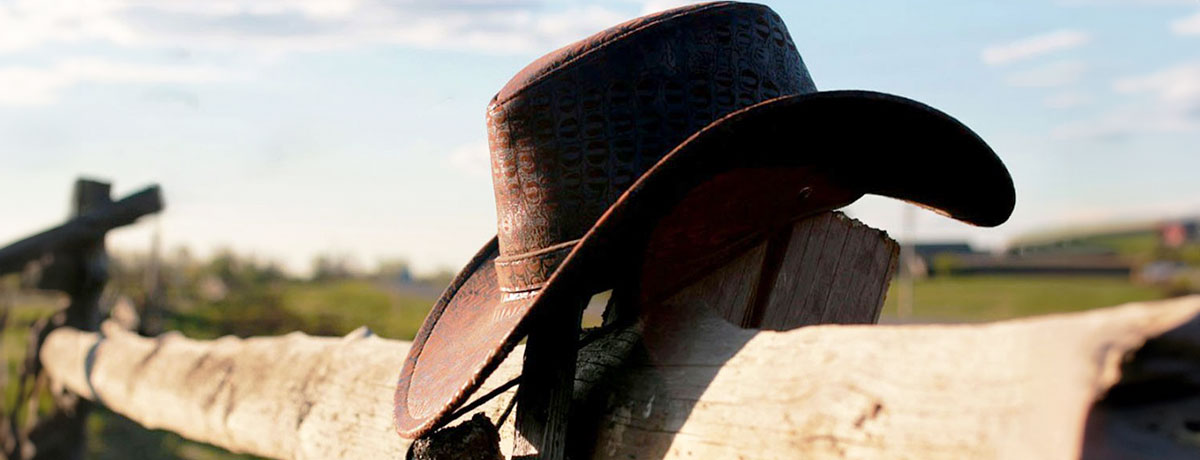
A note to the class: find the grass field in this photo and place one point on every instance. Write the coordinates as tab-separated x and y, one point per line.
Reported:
329	308
340	307
988	298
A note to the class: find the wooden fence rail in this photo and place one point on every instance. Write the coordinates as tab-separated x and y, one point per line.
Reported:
91	222
1112	383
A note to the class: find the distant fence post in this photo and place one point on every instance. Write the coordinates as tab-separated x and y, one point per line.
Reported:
81	271
77	264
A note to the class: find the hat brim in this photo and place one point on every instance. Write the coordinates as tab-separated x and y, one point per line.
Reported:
772	162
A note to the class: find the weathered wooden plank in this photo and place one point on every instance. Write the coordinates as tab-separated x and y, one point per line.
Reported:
706	389
871	263
831	260
795	296
745	291
730	290
547	384
887	262
805	263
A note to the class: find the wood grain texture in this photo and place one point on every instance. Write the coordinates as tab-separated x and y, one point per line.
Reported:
1016	389
833	269
729	291
547	384
835	266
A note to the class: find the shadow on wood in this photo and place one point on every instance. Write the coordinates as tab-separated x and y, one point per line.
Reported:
790	279
1153	411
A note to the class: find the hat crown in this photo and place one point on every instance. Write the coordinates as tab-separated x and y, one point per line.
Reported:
573	131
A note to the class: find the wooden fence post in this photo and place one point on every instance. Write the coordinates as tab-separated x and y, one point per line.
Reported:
81	271
74	261
826	268
547	384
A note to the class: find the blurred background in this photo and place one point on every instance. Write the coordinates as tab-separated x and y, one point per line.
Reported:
324	162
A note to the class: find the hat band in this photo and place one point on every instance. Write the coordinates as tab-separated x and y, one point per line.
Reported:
531	270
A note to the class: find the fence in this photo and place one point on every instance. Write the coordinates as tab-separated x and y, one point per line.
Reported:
73	260
720	370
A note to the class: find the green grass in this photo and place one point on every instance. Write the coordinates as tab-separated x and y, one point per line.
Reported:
24	311
339	307
331	308
987	298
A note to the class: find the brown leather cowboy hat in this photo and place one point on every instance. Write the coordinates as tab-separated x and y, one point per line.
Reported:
697	127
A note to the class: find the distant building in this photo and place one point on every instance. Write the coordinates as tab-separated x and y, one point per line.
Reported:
1111	250
1175	234
1128	237
928	254
959	258
928	251
1043	264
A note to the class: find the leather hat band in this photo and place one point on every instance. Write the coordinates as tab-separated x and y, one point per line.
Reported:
529	271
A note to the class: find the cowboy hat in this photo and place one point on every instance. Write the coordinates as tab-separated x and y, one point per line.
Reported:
697	128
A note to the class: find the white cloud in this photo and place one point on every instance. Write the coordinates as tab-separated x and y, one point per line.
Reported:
1034	46
28	23
1174	106
1127	121
1187	26
237	32
26	86
1059	73
472	158
1175	86
279	26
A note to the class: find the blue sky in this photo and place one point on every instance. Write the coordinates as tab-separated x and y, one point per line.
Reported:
356	127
